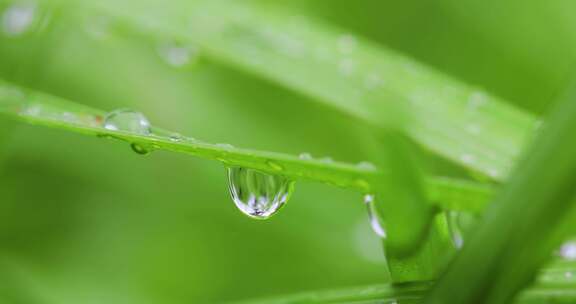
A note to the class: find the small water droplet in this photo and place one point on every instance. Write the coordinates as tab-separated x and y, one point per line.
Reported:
225	146
31	110
326	160
18	18
305	156
346	44
126	120
346	67
473	129
568	274
139	149
366	165
476	100
568	250
175	137
258	194
373	81
373	216
456	233
494	173
177	55
467	158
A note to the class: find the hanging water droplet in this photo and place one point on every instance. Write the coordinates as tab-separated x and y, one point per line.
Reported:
18	18
456	233
139	149
126	120
177	55
305	156
258	194
373	216
366	165
346	44
568	250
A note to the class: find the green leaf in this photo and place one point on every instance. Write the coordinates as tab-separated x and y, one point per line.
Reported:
455	120
54	112
460	122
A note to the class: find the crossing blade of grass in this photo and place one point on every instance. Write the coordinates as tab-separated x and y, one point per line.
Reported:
518	233
457	121
51	111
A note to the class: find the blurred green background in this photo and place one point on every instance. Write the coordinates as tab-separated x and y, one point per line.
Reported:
84	220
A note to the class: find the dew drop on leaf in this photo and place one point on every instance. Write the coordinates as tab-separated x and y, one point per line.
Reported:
346	44
375	223
126	120
17	19
568	250
177	55
225	146
305	156
175	137
139	149
257	194
366	165
454	229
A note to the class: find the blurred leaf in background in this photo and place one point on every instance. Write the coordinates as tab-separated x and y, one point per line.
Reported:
88	221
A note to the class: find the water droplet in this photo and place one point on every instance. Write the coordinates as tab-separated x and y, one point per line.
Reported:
467	158
568	274
126	120
456	233
258	194
139	149
326	160
175	137
473	129
494	173
31	110
18	18
346	44
346	67
177	55
373	81
225	146
568	251
373	216
476	100
366	165
305	156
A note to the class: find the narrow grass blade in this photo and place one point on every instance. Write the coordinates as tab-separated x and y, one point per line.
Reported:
50	111
519	231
